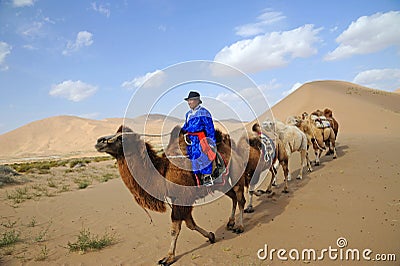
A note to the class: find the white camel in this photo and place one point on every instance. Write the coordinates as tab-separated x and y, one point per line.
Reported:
293	140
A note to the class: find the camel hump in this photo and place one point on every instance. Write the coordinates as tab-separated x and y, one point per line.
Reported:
123	128
218	136
176	130
328	112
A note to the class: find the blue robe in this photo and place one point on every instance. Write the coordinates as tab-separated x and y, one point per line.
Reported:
198	120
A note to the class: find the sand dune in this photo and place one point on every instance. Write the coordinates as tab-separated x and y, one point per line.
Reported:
66	136
358	109
54	136
355	197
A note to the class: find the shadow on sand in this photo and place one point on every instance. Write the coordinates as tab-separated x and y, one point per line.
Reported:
268	207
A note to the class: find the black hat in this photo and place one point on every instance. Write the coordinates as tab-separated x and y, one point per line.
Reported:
193	95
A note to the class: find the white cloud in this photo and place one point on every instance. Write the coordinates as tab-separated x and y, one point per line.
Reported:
36	28
83	38
334	29
382	79
5	49
151	79
101	9
73	90
29	47
271	50
268	17
33	29
162	28
294	87
22	3
367	35
249	93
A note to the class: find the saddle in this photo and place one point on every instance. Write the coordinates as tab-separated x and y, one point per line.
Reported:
268	149
320	121
219	165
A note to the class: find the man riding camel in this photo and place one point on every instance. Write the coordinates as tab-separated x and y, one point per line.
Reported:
200	131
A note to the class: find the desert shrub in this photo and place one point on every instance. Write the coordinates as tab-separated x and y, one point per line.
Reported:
82	182
9	238
75	162
86	241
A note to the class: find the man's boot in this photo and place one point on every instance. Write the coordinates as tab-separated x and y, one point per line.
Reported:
207	180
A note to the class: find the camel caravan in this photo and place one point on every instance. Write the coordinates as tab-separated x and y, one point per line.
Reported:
157	181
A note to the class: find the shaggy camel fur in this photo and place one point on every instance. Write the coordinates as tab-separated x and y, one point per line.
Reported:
256	163
334	124
293	140
317	136
148	167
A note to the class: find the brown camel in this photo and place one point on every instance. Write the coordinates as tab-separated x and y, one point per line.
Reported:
334	124
318	137
134	155
257	164
328	114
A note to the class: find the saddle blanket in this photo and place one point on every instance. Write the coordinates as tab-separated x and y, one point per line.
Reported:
268	149
320	121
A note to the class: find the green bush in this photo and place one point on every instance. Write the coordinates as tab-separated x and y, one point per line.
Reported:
86	242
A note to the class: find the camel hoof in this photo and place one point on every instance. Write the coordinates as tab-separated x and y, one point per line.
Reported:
299	177
167	261
230	226
310	170
260	192
211	237
274	184
334	157
316	163
285	191
238	230
249	209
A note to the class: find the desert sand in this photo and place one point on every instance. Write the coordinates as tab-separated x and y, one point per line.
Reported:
355	196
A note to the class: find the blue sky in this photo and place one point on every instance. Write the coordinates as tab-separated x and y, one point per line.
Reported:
90	57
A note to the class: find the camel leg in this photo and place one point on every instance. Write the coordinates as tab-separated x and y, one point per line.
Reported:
302	158
242	201
273	178
332	140
328	144
231	223
309	168
175	230
254	180
193	226
274	171
285	168
334	150
250	208
317	152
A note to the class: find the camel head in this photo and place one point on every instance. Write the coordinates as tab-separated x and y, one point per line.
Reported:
113	144
222	137
256	128
294	120
268	125
317	113
328	112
